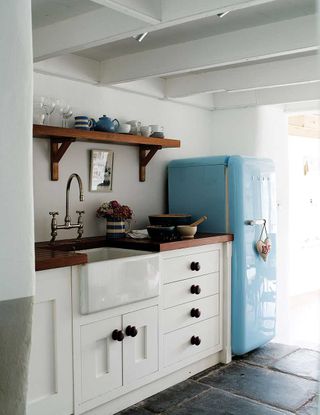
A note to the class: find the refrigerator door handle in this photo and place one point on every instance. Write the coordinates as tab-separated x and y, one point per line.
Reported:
254	222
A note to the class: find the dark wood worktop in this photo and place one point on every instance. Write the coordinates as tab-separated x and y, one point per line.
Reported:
62	253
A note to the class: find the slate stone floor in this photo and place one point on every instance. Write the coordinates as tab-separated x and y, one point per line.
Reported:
273	380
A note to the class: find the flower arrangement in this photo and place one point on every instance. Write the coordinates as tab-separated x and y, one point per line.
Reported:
113	209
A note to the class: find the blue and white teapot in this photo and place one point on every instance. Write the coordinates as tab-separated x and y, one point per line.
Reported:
107	124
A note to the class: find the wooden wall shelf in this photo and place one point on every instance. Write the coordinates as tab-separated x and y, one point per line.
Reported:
62	138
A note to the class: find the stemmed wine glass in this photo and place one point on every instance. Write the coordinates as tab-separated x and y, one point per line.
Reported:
64	111
49	105
43	108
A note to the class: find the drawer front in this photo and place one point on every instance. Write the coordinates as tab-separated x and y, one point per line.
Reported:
178	346
179	268
189	313
180	292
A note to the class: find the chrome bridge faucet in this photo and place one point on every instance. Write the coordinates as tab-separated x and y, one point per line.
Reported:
67	219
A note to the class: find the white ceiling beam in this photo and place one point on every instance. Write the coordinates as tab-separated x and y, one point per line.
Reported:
279	95
106	25
182	10
255	76
251	44
148	11
76	68
83	31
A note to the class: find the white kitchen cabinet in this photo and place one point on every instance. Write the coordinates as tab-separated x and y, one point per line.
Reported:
190	289
50	389
160	341
101	358
186	342
109	359
140	353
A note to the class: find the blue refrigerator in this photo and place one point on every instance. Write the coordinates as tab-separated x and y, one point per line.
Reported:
237	194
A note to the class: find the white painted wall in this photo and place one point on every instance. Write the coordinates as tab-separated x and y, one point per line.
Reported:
191	125
304	197
16	207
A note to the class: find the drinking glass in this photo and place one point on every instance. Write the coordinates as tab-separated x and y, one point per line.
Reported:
48	105
65	112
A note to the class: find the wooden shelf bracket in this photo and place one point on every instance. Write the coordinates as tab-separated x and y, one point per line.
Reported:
145	155
56	154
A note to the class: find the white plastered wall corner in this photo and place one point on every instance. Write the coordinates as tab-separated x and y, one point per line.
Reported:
16	207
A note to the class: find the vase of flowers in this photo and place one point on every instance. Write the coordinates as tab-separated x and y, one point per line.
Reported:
117	217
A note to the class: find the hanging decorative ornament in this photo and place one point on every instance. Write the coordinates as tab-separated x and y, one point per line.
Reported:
264	246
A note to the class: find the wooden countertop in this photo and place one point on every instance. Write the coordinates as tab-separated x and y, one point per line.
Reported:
62	253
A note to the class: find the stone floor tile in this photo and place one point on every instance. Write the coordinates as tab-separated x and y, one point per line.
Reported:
266	355
303	362
311	408
176	394
135	410
206	372
271	387
219	402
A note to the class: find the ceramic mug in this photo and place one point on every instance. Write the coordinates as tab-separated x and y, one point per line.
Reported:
135	126
155	128
124	128
82	122
145	130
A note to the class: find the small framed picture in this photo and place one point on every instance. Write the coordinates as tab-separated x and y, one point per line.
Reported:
101	171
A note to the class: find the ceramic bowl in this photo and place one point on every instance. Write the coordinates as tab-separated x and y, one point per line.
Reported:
168	219
161	233
186	231
124	128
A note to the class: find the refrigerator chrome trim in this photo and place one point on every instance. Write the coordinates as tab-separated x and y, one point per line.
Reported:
254	222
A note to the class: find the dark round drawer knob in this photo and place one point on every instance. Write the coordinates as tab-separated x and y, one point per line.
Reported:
195	289
195	340
195	266
118	335
131	331
195	312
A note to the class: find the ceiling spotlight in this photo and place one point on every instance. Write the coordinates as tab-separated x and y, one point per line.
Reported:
139	38
221	15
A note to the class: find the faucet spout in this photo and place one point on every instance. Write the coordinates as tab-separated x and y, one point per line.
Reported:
81	197
67	220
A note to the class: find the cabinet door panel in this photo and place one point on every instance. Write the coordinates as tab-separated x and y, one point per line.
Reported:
101	367
50	388
140	353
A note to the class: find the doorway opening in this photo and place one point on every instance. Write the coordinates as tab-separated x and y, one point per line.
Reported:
303	283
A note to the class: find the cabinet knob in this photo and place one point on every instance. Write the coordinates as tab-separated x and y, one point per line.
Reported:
131	331
195	289
118	335
195	340
195	266
195	312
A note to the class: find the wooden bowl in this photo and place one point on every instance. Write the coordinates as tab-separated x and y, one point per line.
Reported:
186	231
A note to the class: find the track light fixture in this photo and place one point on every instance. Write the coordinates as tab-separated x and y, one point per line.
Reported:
221	15
140	37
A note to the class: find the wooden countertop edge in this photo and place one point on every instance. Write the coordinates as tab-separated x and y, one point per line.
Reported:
47	257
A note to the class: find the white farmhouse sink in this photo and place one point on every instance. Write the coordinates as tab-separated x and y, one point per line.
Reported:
115	276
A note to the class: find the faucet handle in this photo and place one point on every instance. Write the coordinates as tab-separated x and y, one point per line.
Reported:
80	223
53	214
